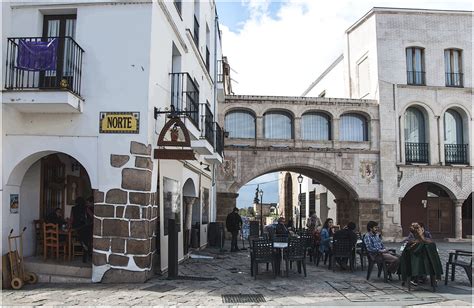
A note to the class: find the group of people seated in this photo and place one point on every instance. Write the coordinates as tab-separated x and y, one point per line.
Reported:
81	221
372	240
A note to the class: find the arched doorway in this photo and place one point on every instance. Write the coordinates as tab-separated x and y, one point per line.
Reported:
191	213
52	182
467	217
430	204
288	197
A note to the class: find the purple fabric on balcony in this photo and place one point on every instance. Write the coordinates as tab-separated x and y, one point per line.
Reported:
36	55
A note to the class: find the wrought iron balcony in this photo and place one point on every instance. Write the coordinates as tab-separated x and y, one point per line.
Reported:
207	124
417	152
50	63
455	153
219	139
196	31
416	78
454	80
185	96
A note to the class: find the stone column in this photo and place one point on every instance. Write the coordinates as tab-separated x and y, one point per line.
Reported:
335	133
188	204
369	209
225	203
458	218
259	128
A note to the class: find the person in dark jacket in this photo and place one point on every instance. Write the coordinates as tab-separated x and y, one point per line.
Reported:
233	224
346	234
56	217
81	221
280	227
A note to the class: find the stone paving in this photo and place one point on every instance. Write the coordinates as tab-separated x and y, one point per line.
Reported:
228	273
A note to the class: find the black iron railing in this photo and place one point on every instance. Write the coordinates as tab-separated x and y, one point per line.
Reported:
454	80
416	78
196	32
185	96
208	124
43	63
178	5
219	139
455	153
417	152
208	59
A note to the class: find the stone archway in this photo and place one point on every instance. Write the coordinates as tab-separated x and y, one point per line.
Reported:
357	196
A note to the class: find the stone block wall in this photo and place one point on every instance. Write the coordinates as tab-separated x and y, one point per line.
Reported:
125	221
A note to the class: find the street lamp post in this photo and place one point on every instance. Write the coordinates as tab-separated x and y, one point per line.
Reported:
261	210
256	201
300	180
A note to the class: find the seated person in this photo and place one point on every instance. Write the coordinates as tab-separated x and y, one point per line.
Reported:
411	237
289	225
347	233
280	227
376	248
313	221
56	217
325	236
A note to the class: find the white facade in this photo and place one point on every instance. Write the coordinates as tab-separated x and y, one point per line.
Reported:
130	49
375	66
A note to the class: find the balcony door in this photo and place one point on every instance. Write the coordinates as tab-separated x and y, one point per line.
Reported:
60	26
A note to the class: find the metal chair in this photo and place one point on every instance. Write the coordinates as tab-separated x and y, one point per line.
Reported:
381	265
262	253
342	248
455	261
295	252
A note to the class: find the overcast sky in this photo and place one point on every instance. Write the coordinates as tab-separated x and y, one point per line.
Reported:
280	47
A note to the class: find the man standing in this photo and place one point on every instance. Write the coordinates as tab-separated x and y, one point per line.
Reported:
233	224
376	248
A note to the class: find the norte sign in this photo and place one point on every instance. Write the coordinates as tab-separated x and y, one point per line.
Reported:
119	122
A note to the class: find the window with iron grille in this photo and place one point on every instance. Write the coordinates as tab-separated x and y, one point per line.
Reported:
312	201
453	67
302	197
415	65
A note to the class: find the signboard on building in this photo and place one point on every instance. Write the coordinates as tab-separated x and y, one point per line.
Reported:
119	122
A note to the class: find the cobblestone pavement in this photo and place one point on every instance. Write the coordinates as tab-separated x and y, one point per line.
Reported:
228	273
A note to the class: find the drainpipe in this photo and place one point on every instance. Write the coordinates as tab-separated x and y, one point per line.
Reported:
213	176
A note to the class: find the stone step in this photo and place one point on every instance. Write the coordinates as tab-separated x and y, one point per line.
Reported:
38	266
46	278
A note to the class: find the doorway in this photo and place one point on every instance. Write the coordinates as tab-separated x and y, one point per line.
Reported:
431	205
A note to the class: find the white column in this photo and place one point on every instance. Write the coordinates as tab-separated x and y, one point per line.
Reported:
458	218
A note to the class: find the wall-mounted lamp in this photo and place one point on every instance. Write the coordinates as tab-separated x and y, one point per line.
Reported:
207	166
424	202
75	165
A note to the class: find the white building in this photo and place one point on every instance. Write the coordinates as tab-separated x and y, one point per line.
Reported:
315	198
115	61
418	65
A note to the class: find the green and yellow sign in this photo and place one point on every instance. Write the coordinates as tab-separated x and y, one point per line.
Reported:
119	122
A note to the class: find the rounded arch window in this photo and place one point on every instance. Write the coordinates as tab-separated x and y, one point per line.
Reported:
315	126
353	127
278	125
240	124
414	126
453	130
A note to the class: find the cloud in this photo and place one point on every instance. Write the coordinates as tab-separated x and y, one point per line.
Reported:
281	53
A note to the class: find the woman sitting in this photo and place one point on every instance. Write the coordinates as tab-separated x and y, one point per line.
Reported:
326	233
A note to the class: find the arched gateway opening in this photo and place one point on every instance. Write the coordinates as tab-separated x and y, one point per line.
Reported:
346	195
45	183
432	205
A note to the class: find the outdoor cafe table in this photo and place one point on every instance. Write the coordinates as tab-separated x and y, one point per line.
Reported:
280	246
